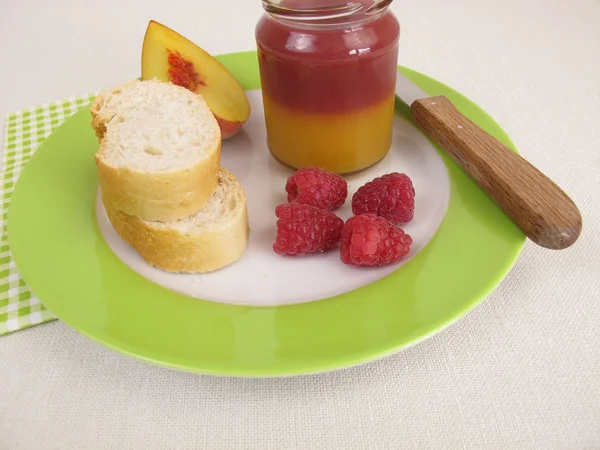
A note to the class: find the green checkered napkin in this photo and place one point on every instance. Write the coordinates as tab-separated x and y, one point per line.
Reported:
25	131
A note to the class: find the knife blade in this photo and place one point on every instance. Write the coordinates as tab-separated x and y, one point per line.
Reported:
541	210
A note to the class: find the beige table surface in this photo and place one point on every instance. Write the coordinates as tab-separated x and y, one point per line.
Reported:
522	371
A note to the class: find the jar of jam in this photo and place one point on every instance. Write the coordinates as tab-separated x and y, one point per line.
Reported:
328	75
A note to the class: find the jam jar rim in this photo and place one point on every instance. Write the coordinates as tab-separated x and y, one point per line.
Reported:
299	21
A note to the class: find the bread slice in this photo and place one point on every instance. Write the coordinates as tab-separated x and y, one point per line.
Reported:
214	237
159	149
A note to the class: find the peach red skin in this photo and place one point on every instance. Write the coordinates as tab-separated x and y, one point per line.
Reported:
228	128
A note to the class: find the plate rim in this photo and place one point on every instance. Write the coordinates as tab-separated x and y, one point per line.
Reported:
233	60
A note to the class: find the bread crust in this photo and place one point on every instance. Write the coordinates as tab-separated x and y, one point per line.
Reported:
172	250
165	196
152	196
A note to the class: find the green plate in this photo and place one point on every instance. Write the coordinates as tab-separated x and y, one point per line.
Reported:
61	254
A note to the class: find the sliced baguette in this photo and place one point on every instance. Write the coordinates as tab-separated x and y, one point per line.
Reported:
159	149
214	237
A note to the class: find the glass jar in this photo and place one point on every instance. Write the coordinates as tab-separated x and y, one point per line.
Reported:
328	74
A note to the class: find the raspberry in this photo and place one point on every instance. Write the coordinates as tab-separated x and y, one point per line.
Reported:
316	187
370	240
390	196
304	229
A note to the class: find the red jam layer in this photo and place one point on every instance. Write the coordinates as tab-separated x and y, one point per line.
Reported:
328	70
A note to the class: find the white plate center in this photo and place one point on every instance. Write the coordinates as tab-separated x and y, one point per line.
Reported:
263	278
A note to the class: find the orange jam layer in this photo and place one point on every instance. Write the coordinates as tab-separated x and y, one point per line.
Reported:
342	142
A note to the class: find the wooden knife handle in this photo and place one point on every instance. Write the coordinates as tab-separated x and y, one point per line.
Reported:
535	204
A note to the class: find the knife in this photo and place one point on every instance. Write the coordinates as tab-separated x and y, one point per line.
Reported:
541	210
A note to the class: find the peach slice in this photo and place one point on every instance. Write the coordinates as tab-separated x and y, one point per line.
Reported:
168	56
